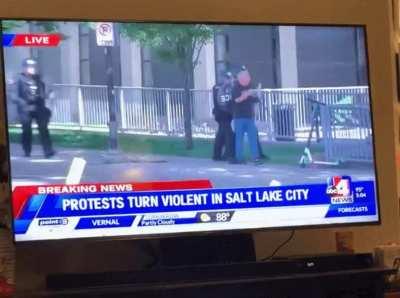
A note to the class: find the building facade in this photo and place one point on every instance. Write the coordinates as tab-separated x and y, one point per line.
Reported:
277	57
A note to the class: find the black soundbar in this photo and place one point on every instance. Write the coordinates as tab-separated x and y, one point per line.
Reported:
204	273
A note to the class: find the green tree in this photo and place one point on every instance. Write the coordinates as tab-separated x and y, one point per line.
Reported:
8	26
174	43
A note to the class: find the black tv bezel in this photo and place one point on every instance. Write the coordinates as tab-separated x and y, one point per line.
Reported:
196	233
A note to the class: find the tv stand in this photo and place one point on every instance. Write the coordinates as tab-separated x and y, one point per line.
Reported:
312	277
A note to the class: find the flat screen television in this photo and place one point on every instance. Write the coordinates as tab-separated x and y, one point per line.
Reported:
139	129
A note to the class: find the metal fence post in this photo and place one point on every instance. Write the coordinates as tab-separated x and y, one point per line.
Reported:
268	114
122	108
327	132
210	102
81	108
168	100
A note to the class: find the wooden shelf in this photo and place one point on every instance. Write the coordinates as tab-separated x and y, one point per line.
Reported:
7	255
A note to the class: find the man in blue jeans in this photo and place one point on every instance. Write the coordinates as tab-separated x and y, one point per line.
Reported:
244	117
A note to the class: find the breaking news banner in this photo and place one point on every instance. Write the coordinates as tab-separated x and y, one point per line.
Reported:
85	210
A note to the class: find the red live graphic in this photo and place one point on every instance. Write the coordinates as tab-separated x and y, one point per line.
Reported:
36	40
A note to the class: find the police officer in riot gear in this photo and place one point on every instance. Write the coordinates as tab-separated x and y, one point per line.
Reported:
30	100
224	139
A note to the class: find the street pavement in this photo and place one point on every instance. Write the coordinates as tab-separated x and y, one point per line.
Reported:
102	166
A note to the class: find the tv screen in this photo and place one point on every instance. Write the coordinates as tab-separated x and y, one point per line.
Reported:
147	129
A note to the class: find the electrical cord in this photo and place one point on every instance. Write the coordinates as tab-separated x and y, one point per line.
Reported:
279	247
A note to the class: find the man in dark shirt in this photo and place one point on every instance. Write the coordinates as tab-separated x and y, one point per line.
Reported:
243	101
224	139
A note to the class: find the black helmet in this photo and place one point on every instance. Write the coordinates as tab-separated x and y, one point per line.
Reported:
228	75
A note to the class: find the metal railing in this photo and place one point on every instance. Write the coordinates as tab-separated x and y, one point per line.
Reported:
140	109
347	132
280	114
152	110
286	113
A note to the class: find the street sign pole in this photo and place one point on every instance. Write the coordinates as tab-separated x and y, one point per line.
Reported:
112	106
105	38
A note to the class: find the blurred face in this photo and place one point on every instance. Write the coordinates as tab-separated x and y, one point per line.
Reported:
244	78
31	70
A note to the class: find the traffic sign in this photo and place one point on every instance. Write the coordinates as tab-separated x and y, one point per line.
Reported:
105	34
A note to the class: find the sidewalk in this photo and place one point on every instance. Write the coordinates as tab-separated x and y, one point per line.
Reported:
139	168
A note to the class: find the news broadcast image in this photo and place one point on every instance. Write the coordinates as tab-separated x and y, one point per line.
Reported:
140	129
